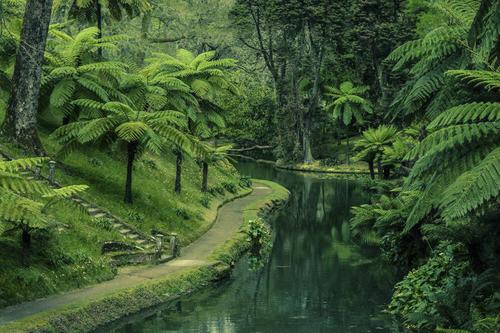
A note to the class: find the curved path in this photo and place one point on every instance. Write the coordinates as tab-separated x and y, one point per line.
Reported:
197	254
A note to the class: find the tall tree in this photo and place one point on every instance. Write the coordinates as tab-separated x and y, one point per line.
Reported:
348	106
207	78
21	118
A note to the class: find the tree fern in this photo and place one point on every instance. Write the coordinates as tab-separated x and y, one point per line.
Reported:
458	163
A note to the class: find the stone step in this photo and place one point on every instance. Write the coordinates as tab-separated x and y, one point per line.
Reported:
133	236
100	215
93	211
124	231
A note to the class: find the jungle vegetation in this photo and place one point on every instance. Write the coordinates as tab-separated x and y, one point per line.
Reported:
406	90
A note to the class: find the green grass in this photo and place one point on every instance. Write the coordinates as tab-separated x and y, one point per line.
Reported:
86	316
69	257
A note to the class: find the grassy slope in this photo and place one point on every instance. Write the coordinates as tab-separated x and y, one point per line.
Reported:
70	257
88	315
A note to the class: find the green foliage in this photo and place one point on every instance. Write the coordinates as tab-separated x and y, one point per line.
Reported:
348	106
73	71
374	141
464	145
259	237
443	292
205	76
245	181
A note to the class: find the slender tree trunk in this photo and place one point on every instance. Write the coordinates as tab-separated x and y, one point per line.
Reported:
306	138
131	152
178	170
204	181
21	117
25	244
372	169
348	151
98	14
380	169
387	172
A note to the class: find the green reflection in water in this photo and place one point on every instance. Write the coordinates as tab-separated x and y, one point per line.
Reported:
316	279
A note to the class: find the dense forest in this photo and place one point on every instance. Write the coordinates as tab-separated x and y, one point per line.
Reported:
144	104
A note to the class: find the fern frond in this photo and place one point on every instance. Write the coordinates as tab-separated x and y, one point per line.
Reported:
473	188
486	79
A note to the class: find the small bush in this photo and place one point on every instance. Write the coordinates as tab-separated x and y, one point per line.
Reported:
230	187
245	182
329	162
259	237
216	190
135	216
103	223
205	201
181	212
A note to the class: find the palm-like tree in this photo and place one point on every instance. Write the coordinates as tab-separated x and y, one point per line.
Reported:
21	204
429	90
139	130
372	144
213	155
348	105
207	79
92	10
73	72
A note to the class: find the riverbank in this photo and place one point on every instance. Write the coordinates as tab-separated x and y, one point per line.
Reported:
206	260
316	167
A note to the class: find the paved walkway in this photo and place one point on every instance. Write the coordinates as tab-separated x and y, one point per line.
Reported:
196	254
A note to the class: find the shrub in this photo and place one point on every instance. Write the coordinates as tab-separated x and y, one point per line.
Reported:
103	223
245	181
181	212
259	237
432	294
135	216
205	201
329	162
230	187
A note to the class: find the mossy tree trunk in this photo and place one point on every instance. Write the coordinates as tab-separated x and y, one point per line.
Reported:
204	181
306	137
178	169
21	118
131	152
98	14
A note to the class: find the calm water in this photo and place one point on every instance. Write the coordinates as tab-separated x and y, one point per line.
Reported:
315	281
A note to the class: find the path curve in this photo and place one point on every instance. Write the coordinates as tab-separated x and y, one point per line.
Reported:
197	254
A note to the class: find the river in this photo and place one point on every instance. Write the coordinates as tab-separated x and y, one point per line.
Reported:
316	279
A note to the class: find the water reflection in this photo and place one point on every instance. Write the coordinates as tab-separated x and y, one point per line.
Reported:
316	279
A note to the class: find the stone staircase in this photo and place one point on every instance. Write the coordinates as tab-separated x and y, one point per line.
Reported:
141	248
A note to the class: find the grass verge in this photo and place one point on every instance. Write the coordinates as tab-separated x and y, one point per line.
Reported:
89	315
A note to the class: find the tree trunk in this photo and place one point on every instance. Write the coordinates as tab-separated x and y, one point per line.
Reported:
372	169
387	172
178	170
131	151
348	151
98	14
204	181
21	117
380	169
306	138
25	244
